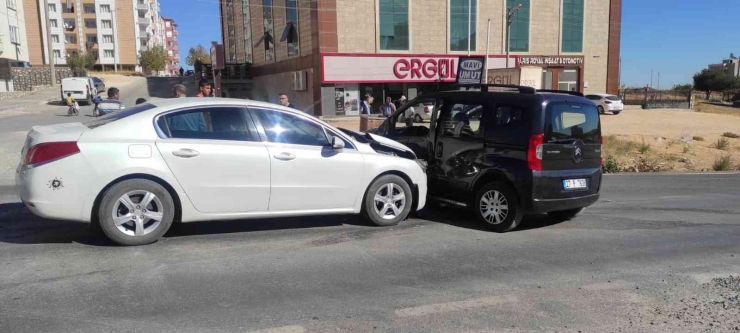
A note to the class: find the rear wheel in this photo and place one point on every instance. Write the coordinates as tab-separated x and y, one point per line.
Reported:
601	109
388	201
497	207
418	119
616	112
136	212
565	215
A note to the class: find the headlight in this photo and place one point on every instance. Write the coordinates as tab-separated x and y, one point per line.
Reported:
422	164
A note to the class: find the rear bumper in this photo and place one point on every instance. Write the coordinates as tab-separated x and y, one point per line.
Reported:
540	206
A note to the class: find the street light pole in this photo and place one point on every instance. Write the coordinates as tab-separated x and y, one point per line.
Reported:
469	17
50	49
510	13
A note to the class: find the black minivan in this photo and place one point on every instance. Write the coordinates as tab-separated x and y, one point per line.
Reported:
506	153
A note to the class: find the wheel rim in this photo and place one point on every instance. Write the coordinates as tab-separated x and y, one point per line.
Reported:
601	109
494	207
137	213
390	201
418	119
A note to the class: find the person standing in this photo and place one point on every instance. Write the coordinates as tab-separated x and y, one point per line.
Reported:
112	104
388	108
204	89
284	101
186	122
409	114
182	72
179	91
365	106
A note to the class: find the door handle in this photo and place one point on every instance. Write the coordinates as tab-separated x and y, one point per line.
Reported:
284	156
185	153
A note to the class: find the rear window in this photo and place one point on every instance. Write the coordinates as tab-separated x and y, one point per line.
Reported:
567	122
613	98
113	116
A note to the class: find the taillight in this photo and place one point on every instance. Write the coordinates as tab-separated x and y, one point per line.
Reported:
49	151
608	102
601	150
426	110
534	152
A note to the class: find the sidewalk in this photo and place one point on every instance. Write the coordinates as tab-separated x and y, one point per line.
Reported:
37	98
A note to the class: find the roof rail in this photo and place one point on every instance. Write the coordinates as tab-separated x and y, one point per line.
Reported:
574	93
484	87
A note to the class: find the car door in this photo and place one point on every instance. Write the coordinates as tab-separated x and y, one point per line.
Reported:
307	174
217	157
417	135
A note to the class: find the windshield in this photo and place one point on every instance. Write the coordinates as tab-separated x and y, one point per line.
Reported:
113	116
569	122
613	98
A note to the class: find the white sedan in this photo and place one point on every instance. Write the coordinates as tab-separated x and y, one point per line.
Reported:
137	171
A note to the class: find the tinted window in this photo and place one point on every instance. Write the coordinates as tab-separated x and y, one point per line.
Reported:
283	127
111	117
463	120
572	121
613	98
593	97
508	125
208	124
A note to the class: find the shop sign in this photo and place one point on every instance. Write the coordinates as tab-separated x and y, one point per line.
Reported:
550	61
470	70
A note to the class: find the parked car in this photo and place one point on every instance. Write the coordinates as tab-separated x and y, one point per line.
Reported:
82	89
23	64
99	84
136	171
507	154
189	72
606	102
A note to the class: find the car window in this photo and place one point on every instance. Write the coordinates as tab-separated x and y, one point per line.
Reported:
572	121
223	123
613	98
593	97
463	120
283	127
508	125
417	113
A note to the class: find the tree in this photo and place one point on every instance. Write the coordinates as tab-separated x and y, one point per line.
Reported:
684	89
80	62
198	53
709	81
154	59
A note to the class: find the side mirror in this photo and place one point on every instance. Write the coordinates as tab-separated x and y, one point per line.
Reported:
337	143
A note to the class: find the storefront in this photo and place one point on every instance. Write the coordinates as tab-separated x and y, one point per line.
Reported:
558	72
349	76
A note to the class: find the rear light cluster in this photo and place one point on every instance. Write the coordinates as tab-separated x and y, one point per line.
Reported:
608	102
601	151
534	152
426	110
49	151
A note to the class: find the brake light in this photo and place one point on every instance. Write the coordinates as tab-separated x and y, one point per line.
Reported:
601	151
608	102
534	152
49	151
426	110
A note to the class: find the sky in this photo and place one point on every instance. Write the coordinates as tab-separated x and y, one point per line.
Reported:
675	38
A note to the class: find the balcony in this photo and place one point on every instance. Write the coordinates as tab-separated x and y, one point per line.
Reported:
143	20
142	6
143	48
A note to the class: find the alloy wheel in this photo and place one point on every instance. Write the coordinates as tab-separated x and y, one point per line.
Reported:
390	201
137	213
494	207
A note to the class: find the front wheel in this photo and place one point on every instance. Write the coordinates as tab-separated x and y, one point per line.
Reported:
497	207
418	119
565	215
388	201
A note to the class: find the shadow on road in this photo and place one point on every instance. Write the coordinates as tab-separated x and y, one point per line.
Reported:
462	218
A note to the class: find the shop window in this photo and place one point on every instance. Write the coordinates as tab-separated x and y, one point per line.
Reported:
393	16
519	37
460	25
572	26
290	34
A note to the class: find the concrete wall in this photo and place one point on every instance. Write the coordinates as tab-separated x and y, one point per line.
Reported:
24	79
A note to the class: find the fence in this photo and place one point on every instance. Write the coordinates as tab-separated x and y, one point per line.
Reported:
657	99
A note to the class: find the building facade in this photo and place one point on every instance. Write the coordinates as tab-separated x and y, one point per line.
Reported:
114	30
172	46
326	54
729	66
13	41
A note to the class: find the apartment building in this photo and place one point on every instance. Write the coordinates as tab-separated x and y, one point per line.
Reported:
114	30
729	66
172	46
13	41
326	54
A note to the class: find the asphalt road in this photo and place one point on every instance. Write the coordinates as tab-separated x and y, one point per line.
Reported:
642	259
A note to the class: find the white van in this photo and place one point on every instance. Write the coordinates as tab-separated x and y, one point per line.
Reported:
82	89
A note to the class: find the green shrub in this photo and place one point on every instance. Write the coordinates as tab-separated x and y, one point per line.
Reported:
723	163
721	144
643	147
611	165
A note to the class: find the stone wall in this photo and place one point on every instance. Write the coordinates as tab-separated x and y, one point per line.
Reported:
24	79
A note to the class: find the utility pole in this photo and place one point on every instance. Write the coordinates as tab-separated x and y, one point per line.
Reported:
510	14
50	49
651	79
484	78
470	12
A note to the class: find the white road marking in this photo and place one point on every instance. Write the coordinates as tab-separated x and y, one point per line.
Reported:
283	329
429	309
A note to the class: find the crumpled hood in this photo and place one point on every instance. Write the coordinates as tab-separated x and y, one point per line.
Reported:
389	142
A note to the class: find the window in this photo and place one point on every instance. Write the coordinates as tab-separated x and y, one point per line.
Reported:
108	53
169	33
519	37
70	38
55	38
463	121
91	24
11	4
106	24
269	31
393	18
566	121
57	54
69	8
107	39
418	113
508	125
105	9
572	26
290	34
71	51
88	8
208	124
247	18
92	38
459	25
286	128
69	24
169	52
54	23
53	8
14	34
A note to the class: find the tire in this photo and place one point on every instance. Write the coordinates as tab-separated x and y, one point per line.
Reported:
601	109
502	217
565	215
157	215
381	213
616	112
418	119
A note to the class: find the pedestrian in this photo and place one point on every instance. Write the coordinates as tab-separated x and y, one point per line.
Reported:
365	106
204	89
179	91
388	108
182	72
284	101
112	104
97	100
140	101
409	114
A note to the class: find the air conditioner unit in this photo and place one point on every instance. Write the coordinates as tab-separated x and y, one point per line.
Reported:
299	81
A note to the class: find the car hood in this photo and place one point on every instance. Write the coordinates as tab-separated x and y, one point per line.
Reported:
388	142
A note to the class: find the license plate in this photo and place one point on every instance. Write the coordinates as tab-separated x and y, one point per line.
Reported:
574	184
